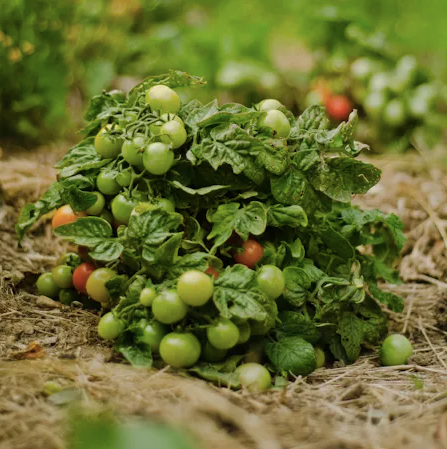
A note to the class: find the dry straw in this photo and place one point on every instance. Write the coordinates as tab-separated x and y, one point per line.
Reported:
362	406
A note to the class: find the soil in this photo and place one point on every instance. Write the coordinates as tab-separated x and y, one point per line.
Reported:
364	406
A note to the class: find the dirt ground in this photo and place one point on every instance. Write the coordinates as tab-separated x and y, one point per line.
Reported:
362	406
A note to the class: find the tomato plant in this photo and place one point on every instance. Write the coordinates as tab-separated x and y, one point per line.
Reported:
242	232
180	350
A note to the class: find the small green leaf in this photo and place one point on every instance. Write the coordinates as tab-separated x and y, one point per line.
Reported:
107	251
279	215
251	219
297	286
341	177
292	354
202	191
296	324
350	329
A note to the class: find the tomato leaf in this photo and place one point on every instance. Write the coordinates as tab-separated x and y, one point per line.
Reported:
202	191
236	294
292	216
82	156
292	354
137	354
195	261
78	200
297	286
296	324
341	177
89	231
251	219
350	329
107	251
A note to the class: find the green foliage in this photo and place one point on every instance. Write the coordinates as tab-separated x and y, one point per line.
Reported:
303	219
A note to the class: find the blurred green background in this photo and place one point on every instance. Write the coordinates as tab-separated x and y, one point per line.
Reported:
56	54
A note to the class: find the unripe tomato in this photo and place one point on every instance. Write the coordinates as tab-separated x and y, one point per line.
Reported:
158	158
395	350
254	377
133	152
195	288
97	208
173	134
180	350
96	284
277	121
110	327
269	104
163	98
46	286
106	145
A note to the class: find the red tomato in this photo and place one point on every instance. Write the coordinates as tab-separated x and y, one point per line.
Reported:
65	215
250	255
81	275
212	272
338	107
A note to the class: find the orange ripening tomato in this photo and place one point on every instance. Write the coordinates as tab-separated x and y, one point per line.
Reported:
211	271
65	215
81	275
250	254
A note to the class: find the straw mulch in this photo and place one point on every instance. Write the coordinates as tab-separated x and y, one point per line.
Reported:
362	406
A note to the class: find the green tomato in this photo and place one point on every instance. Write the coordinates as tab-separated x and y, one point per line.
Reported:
254	377
133	152
124	178
96	284
380	82
223	334
158	158
68	295
394	113
195	288
97	208
122	208
314	97
269	105
147	296
46	286
363	68
63	276
320	356
173	134
374	104
163	98
107	184
107	216
180	350
167	117
211	354
271	281
110	327
395	350
166	204
152	334
168	308
106	145
244	333
260	327
277	121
